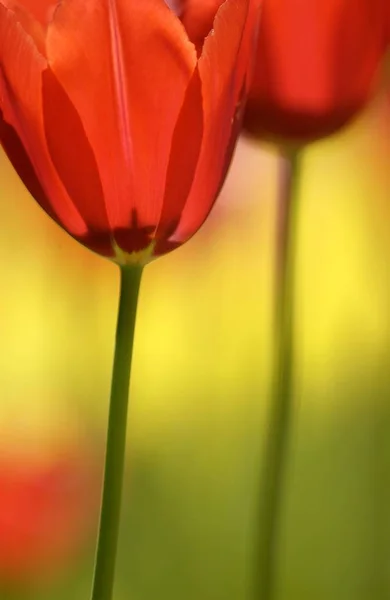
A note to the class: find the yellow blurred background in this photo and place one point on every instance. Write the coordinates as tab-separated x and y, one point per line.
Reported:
201	381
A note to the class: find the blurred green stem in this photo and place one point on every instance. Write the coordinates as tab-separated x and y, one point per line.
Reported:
103	582
279	423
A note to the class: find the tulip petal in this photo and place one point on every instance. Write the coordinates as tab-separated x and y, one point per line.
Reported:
41	10
223	69
21	162
125	66
185	150
29	21
21	68
360	44
72	155
198	18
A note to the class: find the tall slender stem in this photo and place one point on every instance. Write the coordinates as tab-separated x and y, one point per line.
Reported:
103	582
279	424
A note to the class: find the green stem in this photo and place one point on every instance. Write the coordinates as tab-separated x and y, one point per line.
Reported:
103	582
279	425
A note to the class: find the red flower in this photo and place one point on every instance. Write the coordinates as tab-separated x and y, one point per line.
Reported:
316	62
46	512
316	65
114	125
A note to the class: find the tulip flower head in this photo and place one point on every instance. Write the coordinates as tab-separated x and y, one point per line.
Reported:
317	63
117	127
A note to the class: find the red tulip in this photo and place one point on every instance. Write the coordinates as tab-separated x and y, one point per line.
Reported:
317	62
120	132
316	65
47	512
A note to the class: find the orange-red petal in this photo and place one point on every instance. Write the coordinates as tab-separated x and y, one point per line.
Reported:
40	10
223	69
29	21
125	66
198	18
72	154
21	69
184	156
21	162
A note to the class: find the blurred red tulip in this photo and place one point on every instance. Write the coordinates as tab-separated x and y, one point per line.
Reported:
46	513
317	62
316	65
114	125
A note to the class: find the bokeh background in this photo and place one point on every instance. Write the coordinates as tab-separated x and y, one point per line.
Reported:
200	388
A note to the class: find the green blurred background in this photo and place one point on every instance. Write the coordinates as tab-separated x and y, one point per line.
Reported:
201	382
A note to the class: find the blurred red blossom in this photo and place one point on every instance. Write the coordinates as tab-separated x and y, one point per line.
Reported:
47	512
119	130
317	62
